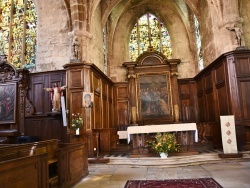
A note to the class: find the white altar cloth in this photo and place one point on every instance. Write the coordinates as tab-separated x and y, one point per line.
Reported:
123	134
163	128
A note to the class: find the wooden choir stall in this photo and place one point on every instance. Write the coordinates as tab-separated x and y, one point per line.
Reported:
32	149
154	95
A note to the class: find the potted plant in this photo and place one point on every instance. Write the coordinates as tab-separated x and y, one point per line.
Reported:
164	143
77	122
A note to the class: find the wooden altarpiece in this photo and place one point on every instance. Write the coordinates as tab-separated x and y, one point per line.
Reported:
153	89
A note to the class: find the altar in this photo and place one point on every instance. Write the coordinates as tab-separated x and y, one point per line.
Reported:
186	134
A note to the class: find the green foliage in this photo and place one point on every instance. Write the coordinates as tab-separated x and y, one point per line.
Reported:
77	121
164	142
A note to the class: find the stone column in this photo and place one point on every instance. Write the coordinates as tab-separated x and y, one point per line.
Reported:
174	75
132	88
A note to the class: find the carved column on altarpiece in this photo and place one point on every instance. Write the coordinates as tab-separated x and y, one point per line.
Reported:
132	88
174	75
23	84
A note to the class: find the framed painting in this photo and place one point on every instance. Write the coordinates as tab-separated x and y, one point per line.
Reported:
154	95
8	95
88	99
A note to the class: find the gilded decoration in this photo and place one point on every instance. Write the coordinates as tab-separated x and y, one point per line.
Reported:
174	73
131	76
154	95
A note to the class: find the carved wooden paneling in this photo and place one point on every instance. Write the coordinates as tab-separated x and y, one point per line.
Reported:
199	83
45	128
187	99
36	98
41	124
97	111
185	111
219	73
211	111
122	92
72	163
184	89
121	111
108	138
208	81
227	93
243	66
33	127
244	87
246	138
111	105
28	171
104	89
75	78
41	99
96	83
105	112
222	96
193	105
201	109
76	101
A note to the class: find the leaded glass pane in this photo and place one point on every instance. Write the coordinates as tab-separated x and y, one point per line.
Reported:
18	31
149	31
166	42
133	45
5	7
198	43
105	51
155	33
31	28
143	33
17	34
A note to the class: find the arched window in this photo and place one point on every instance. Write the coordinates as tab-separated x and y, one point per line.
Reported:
149	31
105	51
18	25
198	43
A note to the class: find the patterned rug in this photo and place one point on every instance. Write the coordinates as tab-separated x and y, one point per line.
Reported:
175	183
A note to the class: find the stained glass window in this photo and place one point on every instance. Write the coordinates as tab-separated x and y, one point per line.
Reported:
149	31
18	24
198	43
105	51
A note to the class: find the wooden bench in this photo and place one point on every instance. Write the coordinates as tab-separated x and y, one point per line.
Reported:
58	164
24	171
48	146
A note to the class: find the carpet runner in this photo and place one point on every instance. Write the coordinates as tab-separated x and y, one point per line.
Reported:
174	183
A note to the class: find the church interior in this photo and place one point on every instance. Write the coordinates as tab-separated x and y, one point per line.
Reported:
84	79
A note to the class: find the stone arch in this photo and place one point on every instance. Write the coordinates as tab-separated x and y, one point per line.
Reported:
172	20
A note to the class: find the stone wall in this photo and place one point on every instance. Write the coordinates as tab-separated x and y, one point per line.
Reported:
183	42
96	46
53	46
57	18
245	14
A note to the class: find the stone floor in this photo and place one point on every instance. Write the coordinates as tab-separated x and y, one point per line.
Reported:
229	173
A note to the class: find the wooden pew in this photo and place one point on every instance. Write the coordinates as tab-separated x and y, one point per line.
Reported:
25	171
61	159
48	146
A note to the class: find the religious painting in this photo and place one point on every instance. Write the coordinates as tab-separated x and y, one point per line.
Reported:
8	103
88	99
154	95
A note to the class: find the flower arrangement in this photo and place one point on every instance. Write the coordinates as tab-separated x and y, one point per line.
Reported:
164	143
77	121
